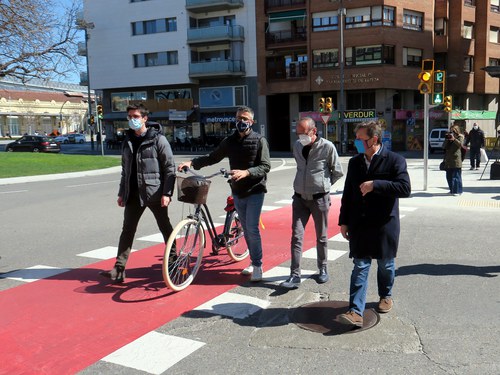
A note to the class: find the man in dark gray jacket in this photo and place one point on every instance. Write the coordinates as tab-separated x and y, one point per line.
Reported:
318	168
148	178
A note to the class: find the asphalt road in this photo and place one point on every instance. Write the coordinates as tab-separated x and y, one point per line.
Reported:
445	319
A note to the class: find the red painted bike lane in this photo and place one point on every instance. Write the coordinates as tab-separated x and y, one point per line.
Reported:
65	323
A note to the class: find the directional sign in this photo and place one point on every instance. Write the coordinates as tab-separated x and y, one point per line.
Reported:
325	119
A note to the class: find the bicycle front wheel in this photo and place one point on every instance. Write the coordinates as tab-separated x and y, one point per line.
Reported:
235	243
183	254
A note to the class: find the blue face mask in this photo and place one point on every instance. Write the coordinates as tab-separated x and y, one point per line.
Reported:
360	145
134	124
243	126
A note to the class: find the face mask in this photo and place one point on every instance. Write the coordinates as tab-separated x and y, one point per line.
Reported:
243	126
304	139
360	145
134	124
475	127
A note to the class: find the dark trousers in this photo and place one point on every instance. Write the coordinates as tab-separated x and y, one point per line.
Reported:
132	214
302	210
475	157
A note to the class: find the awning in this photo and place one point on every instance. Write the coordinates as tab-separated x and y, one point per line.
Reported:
290	15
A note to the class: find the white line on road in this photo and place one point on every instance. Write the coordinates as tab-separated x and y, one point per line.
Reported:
93	183
13	191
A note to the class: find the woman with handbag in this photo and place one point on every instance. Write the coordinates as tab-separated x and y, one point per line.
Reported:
453	159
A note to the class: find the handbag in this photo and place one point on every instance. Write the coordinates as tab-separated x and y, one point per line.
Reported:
484	157
463	151
442	166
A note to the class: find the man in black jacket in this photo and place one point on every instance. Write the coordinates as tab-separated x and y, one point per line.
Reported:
248	154
369	217
476	141
148	178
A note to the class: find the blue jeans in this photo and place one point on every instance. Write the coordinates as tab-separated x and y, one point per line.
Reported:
359	281
454	179
249	209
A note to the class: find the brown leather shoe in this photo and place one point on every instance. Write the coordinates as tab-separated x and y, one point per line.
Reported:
351	318
117	274
385	305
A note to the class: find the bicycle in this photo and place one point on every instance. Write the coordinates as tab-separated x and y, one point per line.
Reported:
185	246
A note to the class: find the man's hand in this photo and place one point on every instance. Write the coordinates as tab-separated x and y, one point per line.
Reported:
120	201
238	174
165	200
366	187
184	164
344	229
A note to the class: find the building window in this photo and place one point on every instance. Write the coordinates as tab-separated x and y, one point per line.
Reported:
412	57
469	64
173	94
495	6
412	20
325	58
441	26
360	100
388	16
369	55
468	30
494	32
120	100
494	62
325	21
470	3
154	26
155	59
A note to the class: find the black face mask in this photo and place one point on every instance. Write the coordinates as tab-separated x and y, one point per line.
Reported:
243	126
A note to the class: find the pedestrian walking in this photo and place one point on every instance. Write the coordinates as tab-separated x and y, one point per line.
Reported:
453	159
318	168
147	180
476	141
369	218
248	154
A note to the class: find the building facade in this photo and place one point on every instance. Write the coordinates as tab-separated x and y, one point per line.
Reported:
193	62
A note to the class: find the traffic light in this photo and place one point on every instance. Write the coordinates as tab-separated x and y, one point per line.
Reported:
438	87
99	112
92	120
425	76
329	105
321	106
448	103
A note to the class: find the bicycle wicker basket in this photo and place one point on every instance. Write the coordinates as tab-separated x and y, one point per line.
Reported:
192	189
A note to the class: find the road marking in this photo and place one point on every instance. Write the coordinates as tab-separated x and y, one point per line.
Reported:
157	237
407	208
332	254
401	216
92	184
285	201
35	273
338	237
233	305
278	274
13	191
107	252
154	352
270	208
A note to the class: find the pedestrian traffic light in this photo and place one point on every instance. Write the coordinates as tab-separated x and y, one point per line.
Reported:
328	105
448	103
99	112
438	87
321	106
425	76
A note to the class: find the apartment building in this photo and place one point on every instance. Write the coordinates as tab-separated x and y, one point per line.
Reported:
193	62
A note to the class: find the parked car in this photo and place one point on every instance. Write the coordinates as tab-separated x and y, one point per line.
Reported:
62	139
33	143
76	138
436	139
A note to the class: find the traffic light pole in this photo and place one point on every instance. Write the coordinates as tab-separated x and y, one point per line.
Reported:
426	138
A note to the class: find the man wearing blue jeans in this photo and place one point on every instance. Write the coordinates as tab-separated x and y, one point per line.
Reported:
249	160
369	218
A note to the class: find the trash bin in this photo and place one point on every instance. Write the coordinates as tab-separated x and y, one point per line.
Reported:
495	171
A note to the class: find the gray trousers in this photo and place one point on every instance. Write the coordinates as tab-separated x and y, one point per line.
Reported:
302	210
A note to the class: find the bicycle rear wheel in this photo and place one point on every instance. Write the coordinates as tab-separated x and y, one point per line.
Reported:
183	254
235	244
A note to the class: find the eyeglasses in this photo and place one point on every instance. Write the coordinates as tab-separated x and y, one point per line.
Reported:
243	118
133	116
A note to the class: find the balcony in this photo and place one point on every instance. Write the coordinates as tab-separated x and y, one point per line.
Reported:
279	4
203	6
220	68
286	37
215	34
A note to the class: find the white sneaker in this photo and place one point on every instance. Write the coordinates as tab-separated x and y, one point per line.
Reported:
247	271
256	274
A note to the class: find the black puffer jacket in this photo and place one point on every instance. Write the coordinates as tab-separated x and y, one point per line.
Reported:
155	167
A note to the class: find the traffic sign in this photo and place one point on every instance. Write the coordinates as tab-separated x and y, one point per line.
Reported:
437	98
325	119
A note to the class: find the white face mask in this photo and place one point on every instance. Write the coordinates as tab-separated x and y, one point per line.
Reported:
304	139
134	124
475	127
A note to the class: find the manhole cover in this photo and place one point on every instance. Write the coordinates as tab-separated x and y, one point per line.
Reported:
322	317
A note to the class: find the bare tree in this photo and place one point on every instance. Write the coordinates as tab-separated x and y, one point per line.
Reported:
36	41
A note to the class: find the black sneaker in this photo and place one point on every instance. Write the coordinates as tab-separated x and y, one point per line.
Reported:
323	275
293	282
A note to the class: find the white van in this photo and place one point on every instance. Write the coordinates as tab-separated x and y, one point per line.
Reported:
436	139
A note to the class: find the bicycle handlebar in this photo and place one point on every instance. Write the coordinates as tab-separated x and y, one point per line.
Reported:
222	172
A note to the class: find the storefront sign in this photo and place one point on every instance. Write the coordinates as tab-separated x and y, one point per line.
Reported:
218	118
177	115
360	115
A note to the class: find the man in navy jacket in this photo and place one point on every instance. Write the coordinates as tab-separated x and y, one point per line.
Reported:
369	217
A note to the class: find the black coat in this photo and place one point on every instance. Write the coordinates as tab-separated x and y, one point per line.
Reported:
373	220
